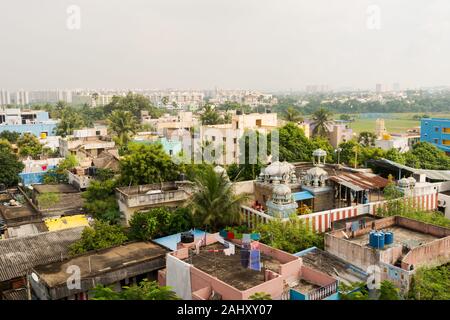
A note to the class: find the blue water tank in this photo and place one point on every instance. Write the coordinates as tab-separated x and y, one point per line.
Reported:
388	238
376	240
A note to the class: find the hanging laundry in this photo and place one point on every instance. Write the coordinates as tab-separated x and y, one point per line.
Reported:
255	260
255	236
348	226
223	233
246	238
254	246
245	256
230	235
230	249
198	245
355	226
220	239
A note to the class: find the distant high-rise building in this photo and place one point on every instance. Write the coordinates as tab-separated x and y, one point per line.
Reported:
20	98
5	98
378	87
396	87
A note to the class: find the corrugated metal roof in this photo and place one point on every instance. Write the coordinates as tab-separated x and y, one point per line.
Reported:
18	294
443	175
360	181
19	255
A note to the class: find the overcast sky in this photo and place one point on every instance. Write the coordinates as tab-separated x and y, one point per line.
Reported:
254	44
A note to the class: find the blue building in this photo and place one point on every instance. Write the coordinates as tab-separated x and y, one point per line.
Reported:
171	147
437	132
22	121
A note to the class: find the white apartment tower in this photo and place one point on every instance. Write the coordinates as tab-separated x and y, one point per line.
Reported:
5	98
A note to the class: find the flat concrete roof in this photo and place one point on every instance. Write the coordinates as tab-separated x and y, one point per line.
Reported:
333	266
95	263
402	236
305	286
56	188
17	212
229	269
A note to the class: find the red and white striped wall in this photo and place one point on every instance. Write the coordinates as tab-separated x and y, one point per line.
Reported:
321	221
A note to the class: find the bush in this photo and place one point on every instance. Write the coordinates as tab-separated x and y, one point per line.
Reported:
103	235
159	222
291	236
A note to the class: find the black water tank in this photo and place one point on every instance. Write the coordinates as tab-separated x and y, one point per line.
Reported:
187	237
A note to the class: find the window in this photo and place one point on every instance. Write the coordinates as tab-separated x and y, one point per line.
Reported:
97	133
436	129
224	139
235	140
436	141
170	152
213	138
258	122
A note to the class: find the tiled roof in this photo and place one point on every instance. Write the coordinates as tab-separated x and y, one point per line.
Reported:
19	255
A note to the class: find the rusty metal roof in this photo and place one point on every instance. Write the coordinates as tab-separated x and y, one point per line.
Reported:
359	181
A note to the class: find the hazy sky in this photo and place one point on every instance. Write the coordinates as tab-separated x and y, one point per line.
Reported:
255	44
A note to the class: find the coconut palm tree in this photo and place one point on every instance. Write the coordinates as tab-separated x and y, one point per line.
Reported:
214	204
321	118
293	115
260	296
123	124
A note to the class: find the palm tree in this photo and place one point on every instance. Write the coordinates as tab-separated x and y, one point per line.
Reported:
322	118
123	124
260	296
293	115
214	204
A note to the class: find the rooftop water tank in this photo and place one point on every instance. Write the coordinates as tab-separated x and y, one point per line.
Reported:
376	240
187	237
388	238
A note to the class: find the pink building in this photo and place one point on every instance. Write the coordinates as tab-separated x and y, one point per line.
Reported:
210	274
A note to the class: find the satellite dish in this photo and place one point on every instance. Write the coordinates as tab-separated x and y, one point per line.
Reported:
35	277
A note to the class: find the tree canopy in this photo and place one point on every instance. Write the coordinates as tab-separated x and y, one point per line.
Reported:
214	203
146	164
291	236
145	290
10	166
29	145
159	222
101	236
431	283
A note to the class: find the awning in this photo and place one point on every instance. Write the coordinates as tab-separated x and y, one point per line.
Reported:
359	181
302	195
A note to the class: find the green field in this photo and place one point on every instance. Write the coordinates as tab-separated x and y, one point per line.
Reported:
394	122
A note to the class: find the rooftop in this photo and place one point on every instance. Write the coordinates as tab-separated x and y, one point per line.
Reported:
19	255
402	236
21	212
229	269
55	188
94	263
329	264
171	241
